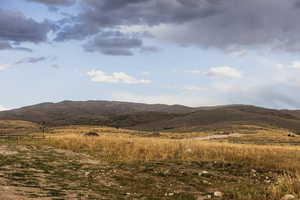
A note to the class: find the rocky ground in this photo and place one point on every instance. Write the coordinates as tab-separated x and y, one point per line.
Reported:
40	172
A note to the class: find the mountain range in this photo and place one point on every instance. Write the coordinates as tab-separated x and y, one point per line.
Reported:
158	117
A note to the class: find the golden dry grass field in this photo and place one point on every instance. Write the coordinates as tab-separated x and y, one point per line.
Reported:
260	164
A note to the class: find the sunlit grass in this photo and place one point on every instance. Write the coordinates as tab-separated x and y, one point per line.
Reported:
126	148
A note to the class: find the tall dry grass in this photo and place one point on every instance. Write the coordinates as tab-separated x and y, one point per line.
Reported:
286	184
129	149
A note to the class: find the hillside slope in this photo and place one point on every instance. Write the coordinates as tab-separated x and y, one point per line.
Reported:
225	117
72	111
153	116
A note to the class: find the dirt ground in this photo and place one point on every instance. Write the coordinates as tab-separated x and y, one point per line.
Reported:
43	172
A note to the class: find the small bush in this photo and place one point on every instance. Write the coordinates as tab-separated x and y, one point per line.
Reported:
91	134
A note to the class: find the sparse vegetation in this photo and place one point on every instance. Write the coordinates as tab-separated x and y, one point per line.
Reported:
167	166
286	184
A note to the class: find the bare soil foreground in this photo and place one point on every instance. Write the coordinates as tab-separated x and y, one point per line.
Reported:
28	172
124	164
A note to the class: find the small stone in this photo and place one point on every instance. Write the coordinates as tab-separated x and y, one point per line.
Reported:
253	170
206	182
267	181
218	194
288	197
189	151
292	135
202	173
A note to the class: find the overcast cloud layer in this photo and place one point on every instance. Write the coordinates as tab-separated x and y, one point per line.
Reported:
205	23
220	24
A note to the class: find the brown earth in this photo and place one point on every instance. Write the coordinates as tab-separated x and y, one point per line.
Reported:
42	172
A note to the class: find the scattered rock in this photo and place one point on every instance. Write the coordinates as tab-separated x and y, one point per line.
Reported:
203	173
218	194
189	151
169	194
203	197
268	181
206	182
292	135
91	134
288	197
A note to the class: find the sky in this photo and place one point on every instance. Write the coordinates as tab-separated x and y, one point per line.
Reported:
189	52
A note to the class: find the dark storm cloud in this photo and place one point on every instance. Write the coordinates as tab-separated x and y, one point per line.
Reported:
31	60
297	3
54	5
206	23
117	46
54	2
244	23
98	15
15	27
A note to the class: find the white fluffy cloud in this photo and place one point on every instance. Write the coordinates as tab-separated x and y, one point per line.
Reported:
224	71
116	77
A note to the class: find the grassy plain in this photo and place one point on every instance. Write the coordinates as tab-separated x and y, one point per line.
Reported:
261	164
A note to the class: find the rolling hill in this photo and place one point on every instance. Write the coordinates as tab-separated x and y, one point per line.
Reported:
153	116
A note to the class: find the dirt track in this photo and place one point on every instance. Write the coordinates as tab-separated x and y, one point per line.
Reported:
213	137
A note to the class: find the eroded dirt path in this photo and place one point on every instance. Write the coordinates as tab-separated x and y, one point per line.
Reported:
41	172
213	137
